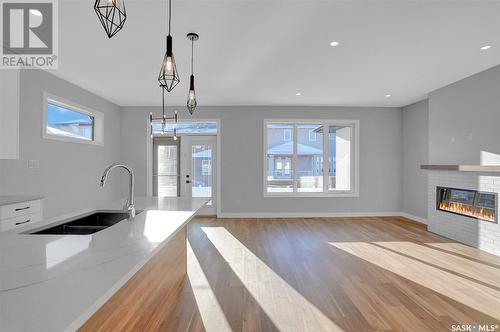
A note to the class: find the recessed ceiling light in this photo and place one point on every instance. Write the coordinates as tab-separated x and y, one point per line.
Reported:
388	96
298	94
334	43
487	47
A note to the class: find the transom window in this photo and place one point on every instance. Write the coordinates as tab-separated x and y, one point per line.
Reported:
300	160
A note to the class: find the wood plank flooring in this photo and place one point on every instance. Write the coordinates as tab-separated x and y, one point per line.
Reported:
330	274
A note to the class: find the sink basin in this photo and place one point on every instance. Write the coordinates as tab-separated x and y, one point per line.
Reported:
87	224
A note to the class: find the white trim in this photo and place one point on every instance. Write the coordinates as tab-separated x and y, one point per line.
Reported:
355	180
320	215
149	157
307	215
98	129
414	218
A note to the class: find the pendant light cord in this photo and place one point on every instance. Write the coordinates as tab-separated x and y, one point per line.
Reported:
163	103
192	56
169	16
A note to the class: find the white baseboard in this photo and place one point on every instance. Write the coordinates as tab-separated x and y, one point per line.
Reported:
320	215
414	218
306	215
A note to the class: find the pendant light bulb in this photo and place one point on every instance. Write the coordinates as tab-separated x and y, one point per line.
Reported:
168	63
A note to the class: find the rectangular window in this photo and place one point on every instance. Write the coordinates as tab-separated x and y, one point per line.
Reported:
185	127
287	135
66	121
311	163
312	136
280	153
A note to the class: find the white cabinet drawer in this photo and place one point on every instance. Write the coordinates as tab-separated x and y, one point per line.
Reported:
27	219
19	209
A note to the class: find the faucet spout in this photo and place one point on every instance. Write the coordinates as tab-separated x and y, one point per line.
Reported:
129	205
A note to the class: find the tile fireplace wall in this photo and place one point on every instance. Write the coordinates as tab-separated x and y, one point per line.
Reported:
477	233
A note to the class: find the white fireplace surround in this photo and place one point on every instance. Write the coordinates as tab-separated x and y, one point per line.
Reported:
477	233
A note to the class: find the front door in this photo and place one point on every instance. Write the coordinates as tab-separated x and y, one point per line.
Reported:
166	174
198	169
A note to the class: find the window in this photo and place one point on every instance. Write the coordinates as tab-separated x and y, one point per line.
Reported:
312	136
206	167
311	163
287	135
185	127
66	121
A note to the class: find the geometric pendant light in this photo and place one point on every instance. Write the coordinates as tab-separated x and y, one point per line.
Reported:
191	101
169	77
112	15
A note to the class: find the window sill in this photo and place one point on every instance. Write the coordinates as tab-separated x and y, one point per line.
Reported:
308	195
71	140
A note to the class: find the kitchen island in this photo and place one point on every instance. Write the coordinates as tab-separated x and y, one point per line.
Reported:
57	282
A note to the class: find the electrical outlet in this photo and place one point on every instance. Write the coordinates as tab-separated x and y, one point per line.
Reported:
34	164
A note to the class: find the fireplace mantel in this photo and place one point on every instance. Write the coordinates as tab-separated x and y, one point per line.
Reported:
463	168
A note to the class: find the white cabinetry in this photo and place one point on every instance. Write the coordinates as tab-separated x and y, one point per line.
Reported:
20	214
9	114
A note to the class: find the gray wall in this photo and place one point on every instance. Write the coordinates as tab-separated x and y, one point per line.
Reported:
415	153
464	120
242	157
69	173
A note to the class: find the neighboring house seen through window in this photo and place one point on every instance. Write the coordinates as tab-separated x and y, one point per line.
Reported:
67	121
301	161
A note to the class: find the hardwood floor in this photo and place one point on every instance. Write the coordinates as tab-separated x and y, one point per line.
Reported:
330	274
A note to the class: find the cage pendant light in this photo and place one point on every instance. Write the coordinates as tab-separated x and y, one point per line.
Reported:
112	15
169	77
191	100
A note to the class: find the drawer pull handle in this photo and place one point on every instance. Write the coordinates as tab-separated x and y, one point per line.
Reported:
24	208
23	222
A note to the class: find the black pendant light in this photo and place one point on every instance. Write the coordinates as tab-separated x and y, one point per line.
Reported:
169	77
112	15
191	101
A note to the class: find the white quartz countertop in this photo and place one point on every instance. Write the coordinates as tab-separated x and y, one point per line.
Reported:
56	282
5	200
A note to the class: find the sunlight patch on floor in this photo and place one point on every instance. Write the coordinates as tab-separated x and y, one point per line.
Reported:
460	265
287	309
467	292
210	310
465	250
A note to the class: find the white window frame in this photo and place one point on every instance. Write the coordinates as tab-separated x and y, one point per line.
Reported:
353	192
98	138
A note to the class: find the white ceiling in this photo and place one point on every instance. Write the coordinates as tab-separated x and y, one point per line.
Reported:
263	52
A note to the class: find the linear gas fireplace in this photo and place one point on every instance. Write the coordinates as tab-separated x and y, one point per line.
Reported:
469	203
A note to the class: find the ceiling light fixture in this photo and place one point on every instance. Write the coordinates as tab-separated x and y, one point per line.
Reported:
169	77
388	96
163	119
112	15
334	43
487	47
191	101
298	94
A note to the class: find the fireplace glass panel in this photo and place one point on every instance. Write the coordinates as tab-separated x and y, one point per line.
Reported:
469	203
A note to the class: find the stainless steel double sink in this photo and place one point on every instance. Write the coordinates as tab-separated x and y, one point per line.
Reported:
87	224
